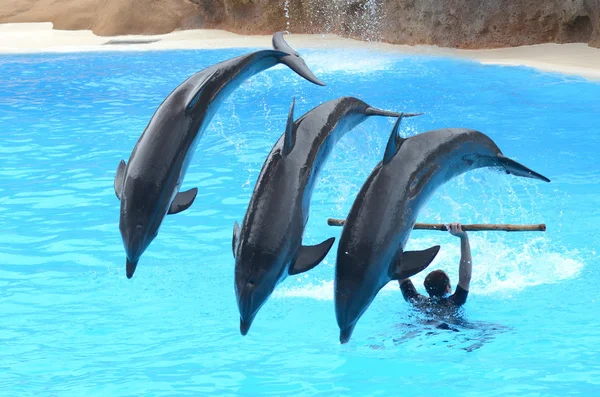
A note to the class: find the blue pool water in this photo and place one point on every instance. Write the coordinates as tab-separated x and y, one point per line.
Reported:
72	324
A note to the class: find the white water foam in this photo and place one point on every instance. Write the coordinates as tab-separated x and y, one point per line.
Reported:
347	62
498	268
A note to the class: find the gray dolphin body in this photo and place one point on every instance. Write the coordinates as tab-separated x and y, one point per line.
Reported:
371	249
148	186
268	247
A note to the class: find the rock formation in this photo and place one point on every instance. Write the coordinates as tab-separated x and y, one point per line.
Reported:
448	23
105	17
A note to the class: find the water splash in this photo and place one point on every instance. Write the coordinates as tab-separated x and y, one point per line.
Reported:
286	9
499	268
360	19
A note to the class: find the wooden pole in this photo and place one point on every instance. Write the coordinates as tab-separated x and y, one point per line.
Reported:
467	228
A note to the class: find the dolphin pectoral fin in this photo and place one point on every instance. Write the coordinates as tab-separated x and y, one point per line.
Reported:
194	99
293	60
236	237
195	95
183	201
412	262
394	142
512	167
310	256
119	178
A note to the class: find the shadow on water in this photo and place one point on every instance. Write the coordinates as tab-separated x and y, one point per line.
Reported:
430	327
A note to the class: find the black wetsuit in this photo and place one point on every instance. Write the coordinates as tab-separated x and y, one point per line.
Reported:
440	311
457	299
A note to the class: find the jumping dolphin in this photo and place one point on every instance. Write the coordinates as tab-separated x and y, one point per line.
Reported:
148	186
371	249
268	246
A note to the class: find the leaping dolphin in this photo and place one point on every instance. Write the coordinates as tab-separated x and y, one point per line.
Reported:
371	249
148	186
268	246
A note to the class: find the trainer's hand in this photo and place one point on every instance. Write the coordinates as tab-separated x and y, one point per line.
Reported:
455	229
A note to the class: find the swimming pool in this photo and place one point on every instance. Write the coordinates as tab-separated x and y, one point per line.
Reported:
71	324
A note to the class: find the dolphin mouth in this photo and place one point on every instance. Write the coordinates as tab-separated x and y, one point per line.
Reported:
130	268
346	334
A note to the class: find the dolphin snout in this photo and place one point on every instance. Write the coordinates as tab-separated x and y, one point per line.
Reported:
345	322
346	333
245	326
134	240
247	307
130	268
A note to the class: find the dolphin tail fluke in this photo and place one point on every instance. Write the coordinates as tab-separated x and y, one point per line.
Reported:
119	178
280	44
293	59
413	262
130	268
183	201
512	167
371	111
310	256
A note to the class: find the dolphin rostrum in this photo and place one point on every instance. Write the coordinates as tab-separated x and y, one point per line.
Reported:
268	247
371	249
148	186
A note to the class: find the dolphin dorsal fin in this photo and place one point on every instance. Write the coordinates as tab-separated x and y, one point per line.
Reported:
290	135
394	142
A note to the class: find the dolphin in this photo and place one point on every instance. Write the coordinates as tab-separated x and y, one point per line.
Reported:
268	246
371	249
148	186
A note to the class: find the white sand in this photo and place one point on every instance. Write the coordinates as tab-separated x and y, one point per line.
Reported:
576	59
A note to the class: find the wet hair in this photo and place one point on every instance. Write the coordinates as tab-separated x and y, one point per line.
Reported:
436	283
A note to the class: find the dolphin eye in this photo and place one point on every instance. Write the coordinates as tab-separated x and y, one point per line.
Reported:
251	283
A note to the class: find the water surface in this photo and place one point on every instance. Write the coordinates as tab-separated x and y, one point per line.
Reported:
72	324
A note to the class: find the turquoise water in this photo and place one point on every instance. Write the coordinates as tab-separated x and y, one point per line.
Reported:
72	324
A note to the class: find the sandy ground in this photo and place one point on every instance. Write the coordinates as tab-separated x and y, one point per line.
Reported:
575	59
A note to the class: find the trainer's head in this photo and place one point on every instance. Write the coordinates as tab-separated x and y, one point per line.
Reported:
437	284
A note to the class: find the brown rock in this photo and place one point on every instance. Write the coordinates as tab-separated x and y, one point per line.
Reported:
448	23
117	17
105	17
